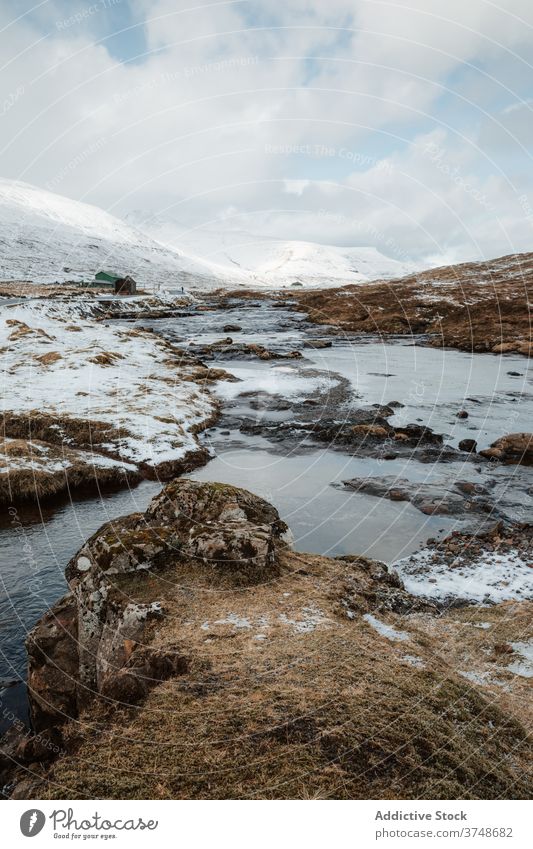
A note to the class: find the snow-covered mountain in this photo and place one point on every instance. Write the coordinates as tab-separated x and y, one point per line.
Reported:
45	237
269	261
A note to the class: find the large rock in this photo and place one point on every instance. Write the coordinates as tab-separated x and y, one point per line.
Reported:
53	662
222	526
91	643
513	448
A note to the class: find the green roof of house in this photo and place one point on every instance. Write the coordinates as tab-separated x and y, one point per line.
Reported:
105	275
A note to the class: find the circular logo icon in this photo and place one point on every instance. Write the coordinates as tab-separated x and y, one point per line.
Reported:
32	822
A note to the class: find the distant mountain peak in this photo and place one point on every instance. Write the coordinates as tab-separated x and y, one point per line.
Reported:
46	237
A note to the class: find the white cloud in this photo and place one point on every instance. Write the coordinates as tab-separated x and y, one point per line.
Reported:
195	126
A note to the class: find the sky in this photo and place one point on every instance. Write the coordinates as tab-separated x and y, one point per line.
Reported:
401	124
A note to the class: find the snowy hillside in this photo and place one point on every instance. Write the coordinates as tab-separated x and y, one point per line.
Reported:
269	261
45	237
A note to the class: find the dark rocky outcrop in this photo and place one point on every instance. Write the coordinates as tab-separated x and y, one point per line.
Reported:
364	432
230	350
468	445
513	448
318	344
451	499
53	665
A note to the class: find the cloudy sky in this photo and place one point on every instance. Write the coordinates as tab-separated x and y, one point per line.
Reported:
404	124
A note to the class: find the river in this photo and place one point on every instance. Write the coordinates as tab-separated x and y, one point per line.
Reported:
432	385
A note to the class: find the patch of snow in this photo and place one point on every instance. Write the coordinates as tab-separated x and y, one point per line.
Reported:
491	578
524	667
476	677
273	380
235	620
414	660
104	372
385	630
102	462
310	618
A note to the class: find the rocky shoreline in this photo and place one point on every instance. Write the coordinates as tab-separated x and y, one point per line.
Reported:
295	675
481	307
80	395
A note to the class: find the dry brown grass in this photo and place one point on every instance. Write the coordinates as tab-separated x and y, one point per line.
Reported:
473	306
57	429
27	472
49	358
321	707
477	640
106	358
25	289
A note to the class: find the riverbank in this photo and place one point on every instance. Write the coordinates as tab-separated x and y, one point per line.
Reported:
219	664
288	428
89	405
476	306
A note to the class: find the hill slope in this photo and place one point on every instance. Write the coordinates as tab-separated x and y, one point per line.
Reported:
473	306
273	262
45	238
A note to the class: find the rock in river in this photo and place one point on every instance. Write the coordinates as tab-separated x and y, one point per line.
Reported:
513	448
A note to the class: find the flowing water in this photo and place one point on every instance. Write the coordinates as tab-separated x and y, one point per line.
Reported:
432	385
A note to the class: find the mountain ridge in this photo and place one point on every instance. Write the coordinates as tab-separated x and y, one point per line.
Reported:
48	238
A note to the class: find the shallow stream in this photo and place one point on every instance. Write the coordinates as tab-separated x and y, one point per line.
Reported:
431	384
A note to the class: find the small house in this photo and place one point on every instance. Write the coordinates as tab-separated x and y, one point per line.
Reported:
123	285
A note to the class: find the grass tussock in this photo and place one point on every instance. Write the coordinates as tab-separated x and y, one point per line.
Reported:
60	430
472	306
36	471
287	696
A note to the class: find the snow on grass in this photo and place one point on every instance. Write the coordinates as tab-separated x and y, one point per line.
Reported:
303	621
524	666
309	619
235	620
414	660
476	677
385	630
48	238
19	455
56	361
489	578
